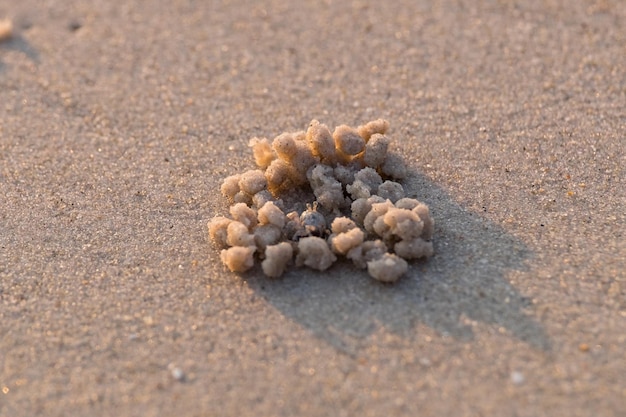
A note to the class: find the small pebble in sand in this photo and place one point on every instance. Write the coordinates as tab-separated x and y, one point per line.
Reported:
358	209
6	29
517	378
176	372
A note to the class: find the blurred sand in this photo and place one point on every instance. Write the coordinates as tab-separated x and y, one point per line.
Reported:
6	29
118	119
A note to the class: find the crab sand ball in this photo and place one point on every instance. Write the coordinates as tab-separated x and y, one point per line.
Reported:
357	209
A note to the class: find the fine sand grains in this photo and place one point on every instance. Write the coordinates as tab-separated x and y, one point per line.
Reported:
357	209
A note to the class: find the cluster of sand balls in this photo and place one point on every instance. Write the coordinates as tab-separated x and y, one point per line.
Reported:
357	210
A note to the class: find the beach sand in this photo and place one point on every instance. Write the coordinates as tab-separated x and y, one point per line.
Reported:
119	119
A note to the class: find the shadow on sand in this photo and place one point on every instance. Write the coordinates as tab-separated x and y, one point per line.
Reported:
465	282
20	44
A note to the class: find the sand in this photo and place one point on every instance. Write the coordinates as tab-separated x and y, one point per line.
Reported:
6	29
118	121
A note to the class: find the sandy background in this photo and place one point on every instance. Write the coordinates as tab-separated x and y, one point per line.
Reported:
118	119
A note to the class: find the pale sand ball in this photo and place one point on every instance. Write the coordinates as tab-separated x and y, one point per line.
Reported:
366	183
403	223
252	181
285	146
358	190
362	206
237	234
376	150
378	210
277	257
218	230
262	151
299	136
271	214
348	140
344	242
414	248
382	229
278	176
243	197
330	196
230	186
262	197
345	174
266	235
320	175
407	203
327	190
238	258
370	177
321	142
244	214
342	225
302	161
359	209
388	268
6	29
394	167
391	190
379	126
368	251
423	212
314	252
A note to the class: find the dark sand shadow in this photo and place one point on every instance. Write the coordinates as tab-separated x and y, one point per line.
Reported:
464	283
20	44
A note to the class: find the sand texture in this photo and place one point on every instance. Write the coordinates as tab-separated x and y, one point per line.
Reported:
119	119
